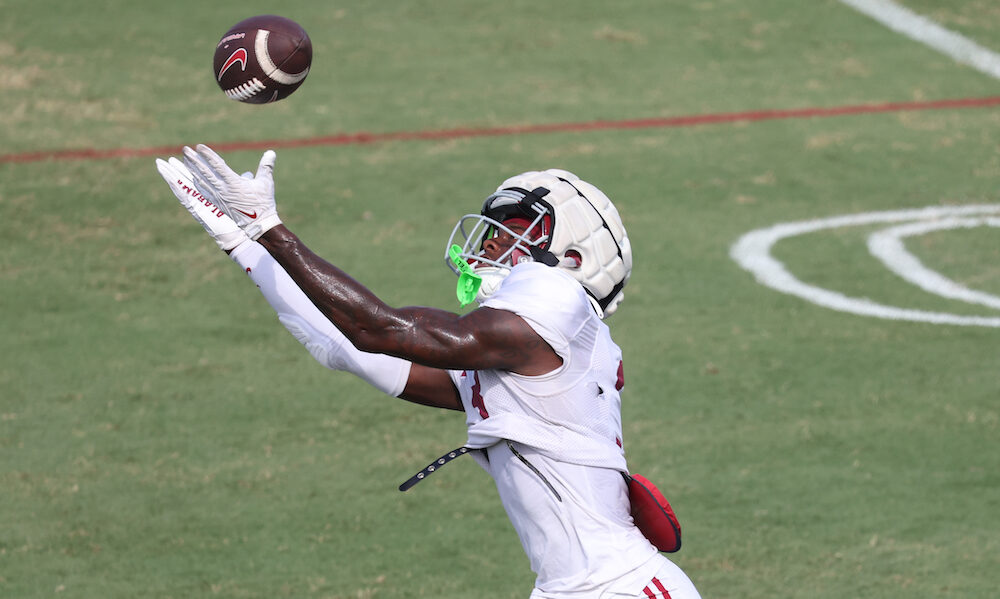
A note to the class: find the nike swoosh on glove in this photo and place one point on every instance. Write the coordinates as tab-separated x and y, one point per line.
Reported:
226	233
248	200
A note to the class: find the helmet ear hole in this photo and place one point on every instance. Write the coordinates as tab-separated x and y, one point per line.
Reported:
575	259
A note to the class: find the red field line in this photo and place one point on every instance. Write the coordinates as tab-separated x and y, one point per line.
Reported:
345	139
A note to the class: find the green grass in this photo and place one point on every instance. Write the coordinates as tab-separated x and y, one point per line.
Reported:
162	436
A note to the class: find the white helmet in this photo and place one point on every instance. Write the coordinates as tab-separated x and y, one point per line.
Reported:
568	224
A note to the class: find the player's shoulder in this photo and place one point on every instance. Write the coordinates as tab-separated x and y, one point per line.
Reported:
534	279
550	300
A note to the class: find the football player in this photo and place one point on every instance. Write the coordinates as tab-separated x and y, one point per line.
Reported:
533	368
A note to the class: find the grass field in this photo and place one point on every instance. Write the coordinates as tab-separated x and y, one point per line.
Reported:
162	436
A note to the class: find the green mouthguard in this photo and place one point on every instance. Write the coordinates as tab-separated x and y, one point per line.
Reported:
468	280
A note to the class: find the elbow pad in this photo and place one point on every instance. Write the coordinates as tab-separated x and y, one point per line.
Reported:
306	323
386	373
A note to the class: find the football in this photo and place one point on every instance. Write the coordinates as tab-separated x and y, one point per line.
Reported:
262	59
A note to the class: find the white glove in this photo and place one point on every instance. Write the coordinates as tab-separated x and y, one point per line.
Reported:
248	200
224	230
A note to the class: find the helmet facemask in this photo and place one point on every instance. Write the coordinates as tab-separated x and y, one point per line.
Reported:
581	233
517	213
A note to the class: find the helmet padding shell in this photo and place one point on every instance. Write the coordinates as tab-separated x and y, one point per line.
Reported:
586	224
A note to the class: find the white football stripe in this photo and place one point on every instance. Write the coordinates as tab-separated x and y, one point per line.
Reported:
271	69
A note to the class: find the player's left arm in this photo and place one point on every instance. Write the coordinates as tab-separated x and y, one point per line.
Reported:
396	377
482	339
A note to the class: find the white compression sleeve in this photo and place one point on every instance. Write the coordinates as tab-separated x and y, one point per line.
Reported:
313	330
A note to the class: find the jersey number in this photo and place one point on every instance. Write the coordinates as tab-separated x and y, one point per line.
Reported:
477	396
480	404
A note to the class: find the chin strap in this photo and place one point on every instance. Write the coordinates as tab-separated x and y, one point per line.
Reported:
544	256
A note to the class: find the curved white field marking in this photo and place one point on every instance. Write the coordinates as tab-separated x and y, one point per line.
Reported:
752	251
887	246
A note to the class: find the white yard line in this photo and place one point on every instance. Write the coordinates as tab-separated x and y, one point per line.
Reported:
926	31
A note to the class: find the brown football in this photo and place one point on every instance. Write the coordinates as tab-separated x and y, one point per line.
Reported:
262	59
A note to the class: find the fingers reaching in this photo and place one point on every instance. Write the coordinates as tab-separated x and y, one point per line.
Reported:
266	166
180	167
203	171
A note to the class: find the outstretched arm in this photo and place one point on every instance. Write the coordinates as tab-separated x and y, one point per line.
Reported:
296	312
391	375
484	338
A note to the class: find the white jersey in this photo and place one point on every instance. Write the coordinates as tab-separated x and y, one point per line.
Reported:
570	507
553	443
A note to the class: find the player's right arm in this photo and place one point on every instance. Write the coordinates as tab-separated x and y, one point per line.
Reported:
431	387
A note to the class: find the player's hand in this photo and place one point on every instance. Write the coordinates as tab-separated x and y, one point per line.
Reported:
247	199
224	230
